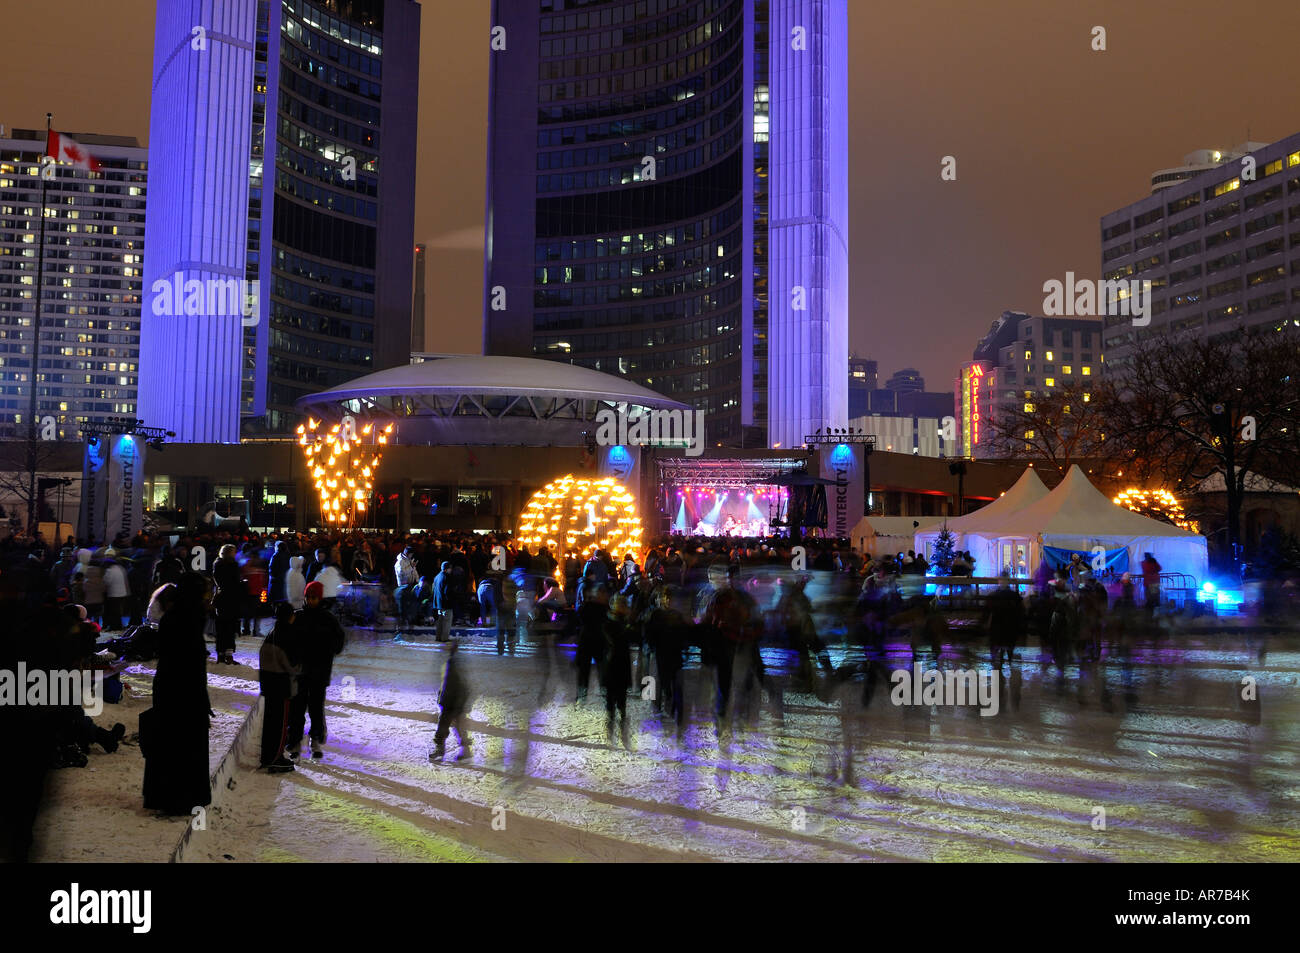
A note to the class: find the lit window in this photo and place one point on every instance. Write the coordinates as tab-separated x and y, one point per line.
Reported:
1049	381
1029	435
1049	356
1065	369
1087	371
1029	408
1087	398
1029	355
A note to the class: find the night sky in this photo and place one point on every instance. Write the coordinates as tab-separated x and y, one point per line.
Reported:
1048	137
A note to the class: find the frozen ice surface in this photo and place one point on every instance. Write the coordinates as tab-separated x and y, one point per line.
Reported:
1182	767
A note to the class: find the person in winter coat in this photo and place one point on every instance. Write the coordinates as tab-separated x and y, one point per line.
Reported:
1151	583
618	666
407	574
276	569
320	637
94	589
228	603
255	575
171	566
277	673
591	635
443	604
667	631
295	582
1005	619
116	591
454	700
174	732
331	580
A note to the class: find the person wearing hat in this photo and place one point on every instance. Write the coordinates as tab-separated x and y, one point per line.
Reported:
443	600
407	574
319	637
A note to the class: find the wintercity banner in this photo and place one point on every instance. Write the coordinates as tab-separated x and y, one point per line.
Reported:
112	477
846	500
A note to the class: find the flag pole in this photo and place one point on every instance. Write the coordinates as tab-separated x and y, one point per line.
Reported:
36	350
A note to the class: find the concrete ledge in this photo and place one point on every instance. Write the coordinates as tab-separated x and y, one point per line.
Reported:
223	778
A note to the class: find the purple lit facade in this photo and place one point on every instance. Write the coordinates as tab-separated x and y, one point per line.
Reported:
294	167
664	279
196	222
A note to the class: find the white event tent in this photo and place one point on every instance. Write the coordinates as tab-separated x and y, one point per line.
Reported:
887	535
967	530
1077	516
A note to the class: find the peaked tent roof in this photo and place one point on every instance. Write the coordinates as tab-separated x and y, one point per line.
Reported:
1029	489
1077	508
901	526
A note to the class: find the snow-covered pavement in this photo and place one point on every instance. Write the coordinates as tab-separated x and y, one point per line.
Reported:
1183	769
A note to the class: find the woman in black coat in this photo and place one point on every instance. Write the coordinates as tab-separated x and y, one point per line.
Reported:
174	733
228	602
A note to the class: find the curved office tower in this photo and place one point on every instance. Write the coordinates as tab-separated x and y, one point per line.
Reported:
285	136
808	225
628	196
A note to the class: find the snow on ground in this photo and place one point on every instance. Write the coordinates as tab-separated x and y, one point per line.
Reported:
96	814
1183	770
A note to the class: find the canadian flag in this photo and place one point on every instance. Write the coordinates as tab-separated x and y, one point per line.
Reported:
69	150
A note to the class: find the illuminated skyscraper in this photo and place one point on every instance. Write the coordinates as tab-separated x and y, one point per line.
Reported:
668	201
90	305
284	135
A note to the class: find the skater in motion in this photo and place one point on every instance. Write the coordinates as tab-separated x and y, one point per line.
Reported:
618	667
454	699
319	638
278	671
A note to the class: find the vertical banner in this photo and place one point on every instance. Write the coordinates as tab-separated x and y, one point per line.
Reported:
112	476
127	515
94	471
845	502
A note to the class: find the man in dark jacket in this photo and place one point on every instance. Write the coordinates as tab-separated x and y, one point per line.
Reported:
319	637
444	599
279	565
277	673
1004	614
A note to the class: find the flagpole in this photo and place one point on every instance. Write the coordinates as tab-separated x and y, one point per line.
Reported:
36	350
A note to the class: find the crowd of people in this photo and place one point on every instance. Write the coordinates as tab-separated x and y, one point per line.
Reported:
635	619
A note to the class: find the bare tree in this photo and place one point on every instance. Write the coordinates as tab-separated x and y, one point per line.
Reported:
15	478
1187	408
1059	425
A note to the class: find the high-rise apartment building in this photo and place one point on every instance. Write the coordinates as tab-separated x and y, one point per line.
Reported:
93	271
908	380
1021	356
283	135
863	375
1221	249
667	201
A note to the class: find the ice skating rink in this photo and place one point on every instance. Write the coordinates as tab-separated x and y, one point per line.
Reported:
1182	768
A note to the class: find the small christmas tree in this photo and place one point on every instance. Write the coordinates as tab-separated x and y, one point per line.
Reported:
943	552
